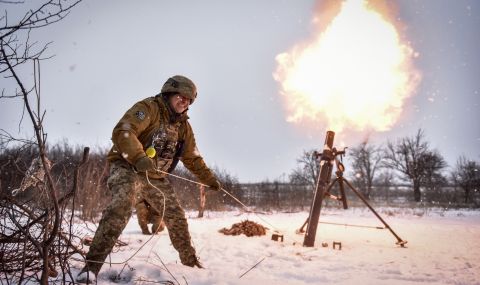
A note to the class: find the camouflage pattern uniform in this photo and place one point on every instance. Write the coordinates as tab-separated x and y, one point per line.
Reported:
150	123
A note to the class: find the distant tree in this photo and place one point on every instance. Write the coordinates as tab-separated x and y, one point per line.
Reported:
366	160
408	156
190	194
229	183
467	175
433	163
307	169
385	180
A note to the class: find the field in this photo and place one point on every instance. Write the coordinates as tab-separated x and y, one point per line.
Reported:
443	248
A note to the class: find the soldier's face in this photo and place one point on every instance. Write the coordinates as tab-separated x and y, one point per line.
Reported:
179	103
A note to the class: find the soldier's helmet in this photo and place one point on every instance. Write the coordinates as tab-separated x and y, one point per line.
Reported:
182	85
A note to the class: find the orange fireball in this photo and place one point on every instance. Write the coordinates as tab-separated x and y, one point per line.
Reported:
355	74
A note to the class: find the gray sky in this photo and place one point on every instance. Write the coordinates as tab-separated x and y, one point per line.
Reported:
110	54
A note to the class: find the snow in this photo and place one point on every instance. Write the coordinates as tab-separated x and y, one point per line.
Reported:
443	248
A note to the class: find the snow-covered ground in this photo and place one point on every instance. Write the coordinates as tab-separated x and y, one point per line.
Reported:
443	248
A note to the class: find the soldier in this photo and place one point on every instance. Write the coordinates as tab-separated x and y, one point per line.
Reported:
157	126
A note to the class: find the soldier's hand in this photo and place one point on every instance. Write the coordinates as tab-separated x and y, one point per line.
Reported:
215	185
144	164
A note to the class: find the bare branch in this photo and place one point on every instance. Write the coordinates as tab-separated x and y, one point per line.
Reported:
16	50
11	2
39	18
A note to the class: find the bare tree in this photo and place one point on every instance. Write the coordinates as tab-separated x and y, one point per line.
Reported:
307	170
467	175
366	161
385	180
406	156
193	197
15	45
432	162
40	230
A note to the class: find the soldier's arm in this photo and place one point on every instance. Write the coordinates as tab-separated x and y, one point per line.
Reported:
126	132
192	159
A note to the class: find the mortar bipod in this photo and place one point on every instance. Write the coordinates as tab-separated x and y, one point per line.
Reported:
341	183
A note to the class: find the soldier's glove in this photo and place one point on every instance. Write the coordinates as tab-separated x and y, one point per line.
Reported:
215	185
144	164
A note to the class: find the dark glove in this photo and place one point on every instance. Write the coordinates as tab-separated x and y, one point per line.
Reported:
215	185
144	164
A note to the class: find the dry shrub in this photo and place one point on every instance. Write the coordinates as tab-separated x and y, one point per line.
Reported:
247	228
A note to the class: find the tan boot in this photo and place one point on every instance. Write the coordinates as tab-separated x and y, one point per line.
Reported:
145	230
193	262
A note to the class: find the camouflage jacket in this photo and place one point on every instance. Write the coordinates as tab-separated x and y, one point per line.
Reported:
151	122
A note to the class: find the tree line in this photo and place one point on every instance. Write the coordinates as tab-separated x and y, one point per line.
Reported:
408	160
403	171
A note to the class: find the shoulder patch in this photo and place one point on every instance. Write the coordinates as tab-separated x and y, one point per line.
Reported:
140	115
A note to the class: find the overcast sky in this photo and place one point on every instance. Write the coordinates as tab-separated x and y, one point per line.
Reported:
111	54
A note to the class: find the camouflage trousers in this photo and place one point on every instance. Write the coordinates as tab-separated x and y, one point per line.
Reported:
127	187
147	214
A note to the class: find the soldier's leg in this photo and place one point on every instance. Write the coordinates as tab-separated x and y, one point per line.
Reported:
174	218
158	224
122	183
154	217
142	216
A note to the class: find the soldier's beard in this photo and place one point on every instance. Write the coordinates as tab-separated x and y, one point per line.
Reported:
179	109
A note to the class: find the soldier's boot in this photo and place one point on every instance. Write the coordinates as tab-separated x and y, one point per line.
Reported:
191	260
142	216
145	229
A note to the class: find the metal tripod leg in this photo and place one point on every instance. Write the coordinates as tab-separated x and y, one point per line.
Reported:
342	191
301	230
399	240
